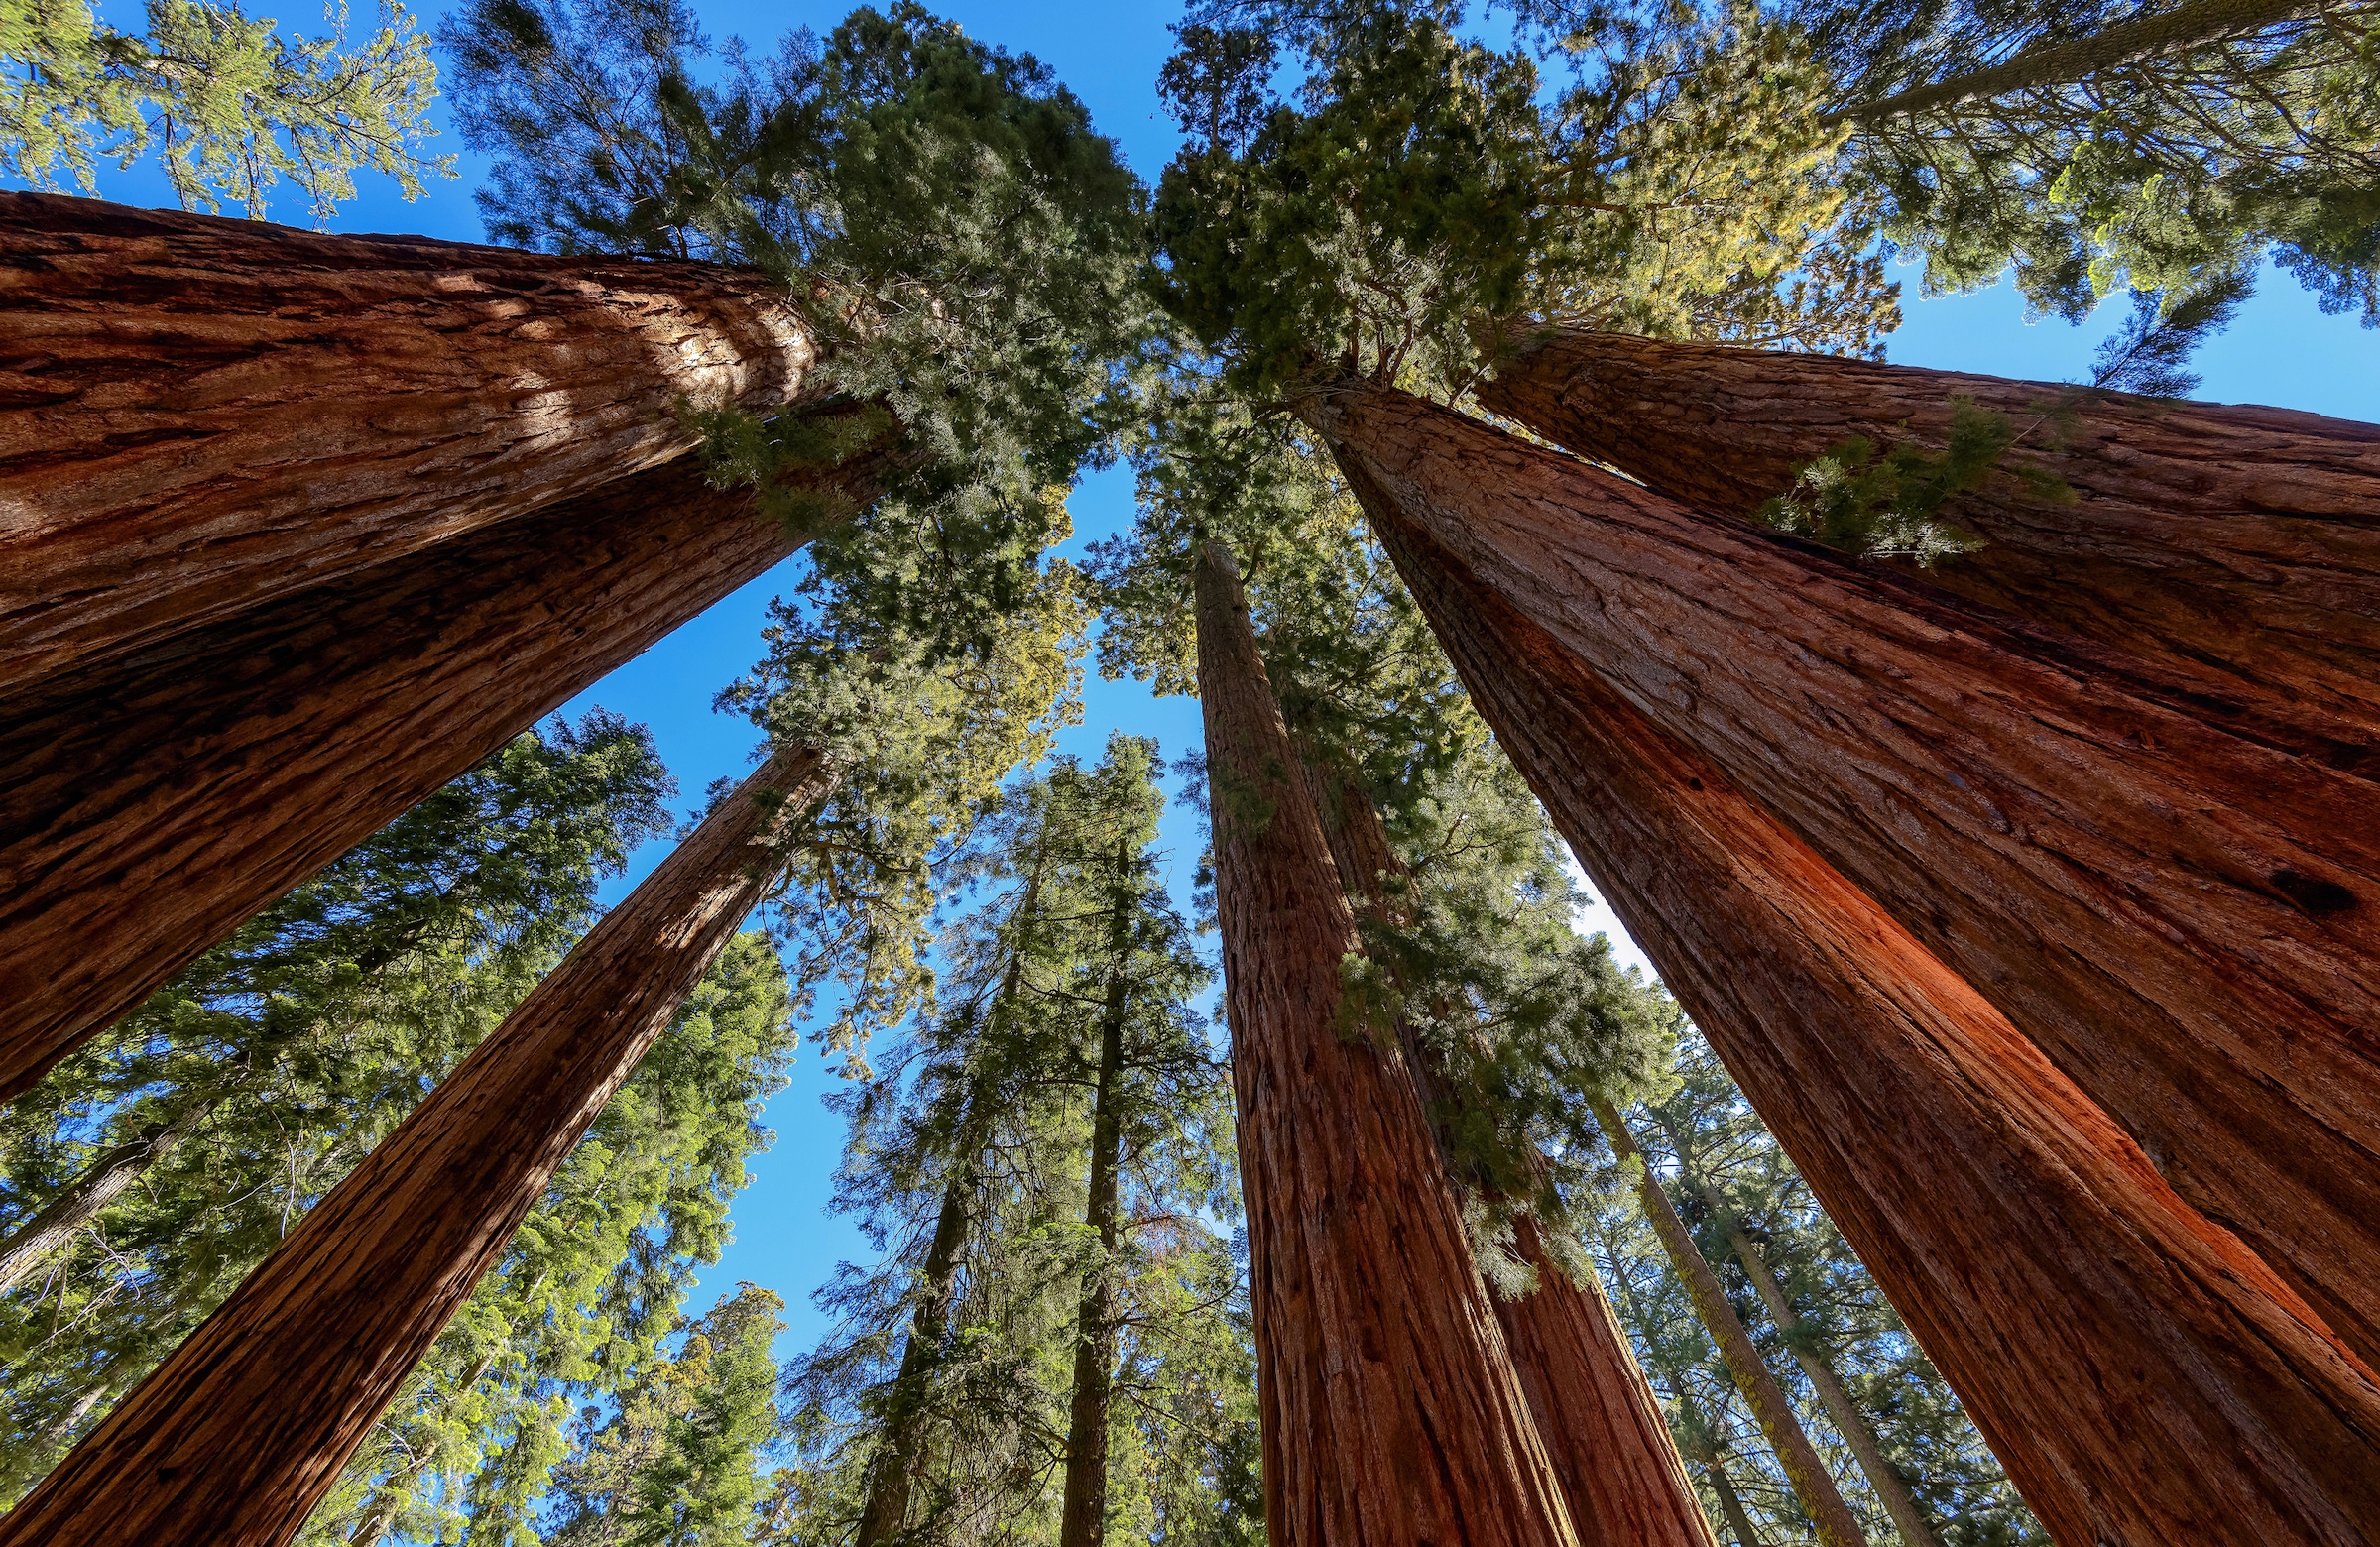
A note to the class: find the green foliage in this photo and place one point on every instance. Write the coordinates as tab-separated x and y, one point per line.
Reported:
1891	506
228	104
2148	356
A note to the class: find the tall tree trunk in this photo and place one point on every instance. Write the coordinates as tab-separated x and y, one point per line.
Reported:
201	414
2181	911
1732	1505
2144	1377
234	1438
1836	1525
2048	65
1849	1421
1620	1469
84	1199
156	805
1390	1413
893	1470
2238	544
1083	1510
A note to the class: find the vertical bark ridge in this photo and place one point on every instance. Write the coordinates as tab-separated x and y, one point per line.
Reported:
2181	911
2239	545
241	1431
1390	1413
155	804
2143	1377
200	414
1621	1472
1836	1527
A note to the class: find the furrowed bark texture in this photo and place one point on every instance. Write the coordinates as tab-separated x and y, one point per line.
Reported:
2183	914
2241	544
146	817
237	1435
1836	1526
198	414
1390	1413
2144	1377
1621	1472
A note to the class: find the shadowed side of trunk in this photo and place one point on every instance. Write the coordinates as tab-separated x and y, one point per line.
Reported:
149	813
2143	1377
2178	905
2239	544
236	1436
1390	1413
199	415
1620	1469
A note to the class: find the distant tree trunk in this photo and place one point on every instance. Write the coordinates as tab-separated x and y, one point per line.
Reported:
202	414
2236	544
85	1198
243	1429
153	806
1621	1472
2144	1377
1849	1421
1835	1524
893	1470
2181	911
1730	1506
2043	66
1390	1413
1083	1512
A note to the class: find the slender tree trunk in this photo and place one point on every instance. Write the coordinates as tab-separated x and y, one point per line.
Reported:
2048	65
1738	1520
2240	545
1836	1525
148	814
1390	1413
234	1438
1621	1472
2181	911
2144	1377
1849	1421
893	1472
84	1199
1083	1512
202	414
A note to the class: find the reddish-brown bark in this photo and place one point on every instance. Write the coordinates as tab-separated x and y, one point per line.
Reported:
1611	1447
2181	909
240	1432
154	802
1390	1412
2146	1379
198	414
2239	544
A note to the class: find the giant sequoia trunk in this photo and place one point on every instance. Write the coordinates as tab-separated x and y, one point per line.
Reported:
144	820
234	1438
2239	545
201	414
2145	1378
1621	1472
1836	1527
2181	911
1390	1413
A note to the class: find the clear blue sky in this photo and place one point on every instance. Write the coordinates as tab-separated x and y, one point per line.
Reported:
2280	351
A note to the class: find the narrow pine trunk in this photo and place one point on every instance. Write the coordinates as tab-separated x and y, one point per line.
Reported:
2238	544
1390	1413
2179	908
202	414
236	1436
2145	1378
1849	1421
153	806
2049	66
1732	1505
1083	1511
1620	1469
1835	1524
102	1182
